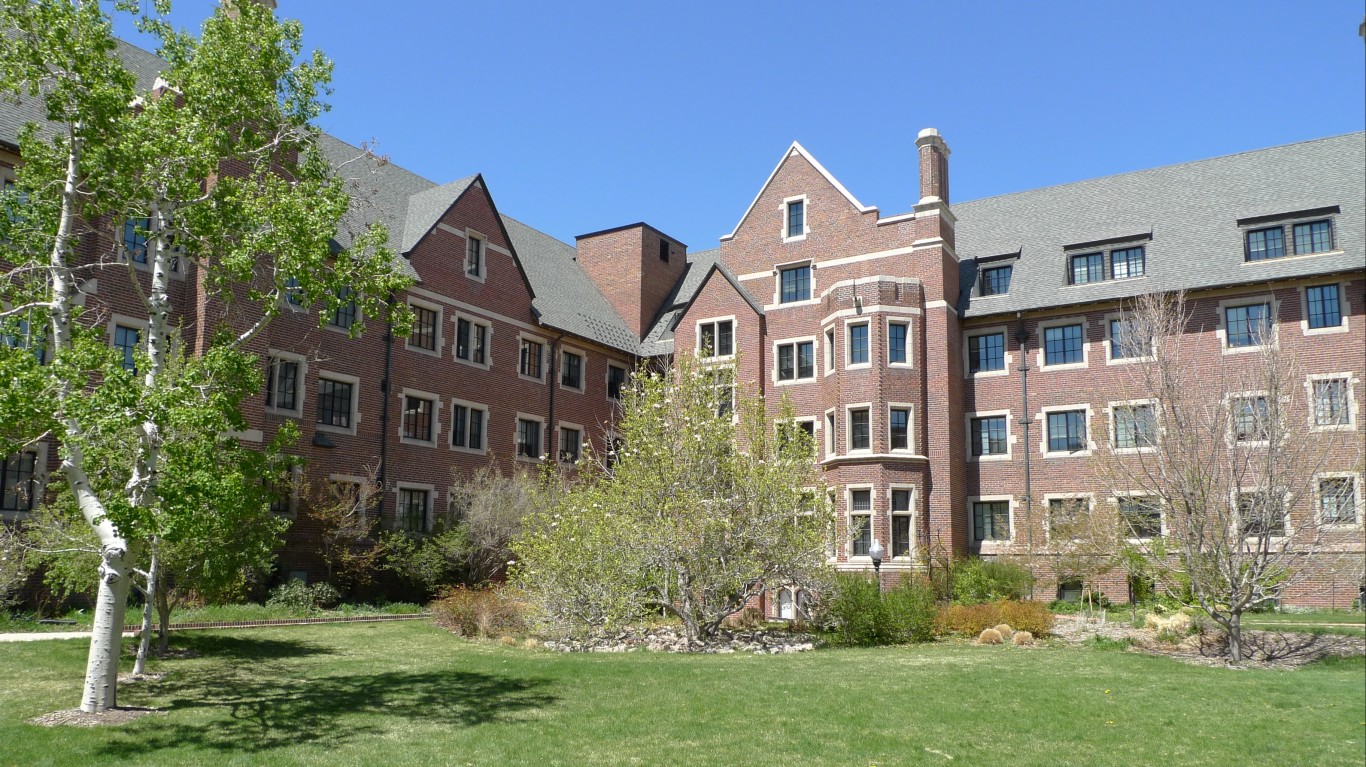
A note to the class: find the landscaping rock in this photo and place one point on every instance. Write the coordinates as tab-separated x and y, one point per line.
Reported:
670	639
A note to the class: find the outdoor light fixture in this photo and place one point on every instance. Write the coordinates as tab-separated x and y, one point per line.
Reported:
875	552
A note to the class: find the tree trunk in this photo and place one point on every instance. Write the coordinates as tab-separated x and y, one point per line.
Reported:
163	600
148	604
106	638
1235	637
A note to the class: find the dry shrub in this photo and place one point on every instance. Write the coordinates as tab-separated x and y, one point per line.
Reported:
971	620
1033	617
479	612
990	636
509	640
1022	639
1005	629
748	618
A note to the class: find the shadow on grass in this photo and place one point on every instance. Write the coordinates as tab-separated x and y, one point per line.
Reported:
247	648
1294	647
257	712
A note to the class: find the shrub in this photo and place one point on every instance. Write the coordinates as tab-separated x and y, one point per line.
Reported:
976	581
859	614
1005	630
479	612
299	597
1064	607
1033	617
1098	642
971	620
910	612
989	636
1022	639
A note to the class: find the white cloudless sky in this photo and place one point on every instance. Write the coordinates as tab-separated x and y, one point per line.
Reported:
588	115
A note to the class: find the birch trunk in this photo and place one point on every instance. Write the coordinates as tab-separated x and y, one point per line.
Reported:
148	605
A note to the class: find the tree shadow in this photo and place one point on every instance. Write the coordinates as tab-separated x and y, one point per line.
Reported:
1290	647
246	648
254	712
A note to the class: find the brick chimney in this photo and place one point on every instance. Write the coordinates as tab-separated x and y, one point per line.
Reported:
934	167
636	267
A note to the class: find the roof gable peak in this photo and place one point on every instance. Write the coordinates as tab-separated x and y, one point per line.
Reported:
796	149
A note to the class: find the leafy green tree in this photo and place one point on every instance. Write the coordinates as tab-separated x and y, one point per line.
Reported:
704	504
216	168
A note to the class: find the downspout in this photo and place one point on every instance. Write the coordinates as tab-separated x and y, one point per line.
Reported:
1022	338
384	417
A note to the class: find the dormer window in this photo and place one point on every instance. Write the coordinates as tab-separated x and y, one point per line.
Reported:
1301	233
996	280
1088	267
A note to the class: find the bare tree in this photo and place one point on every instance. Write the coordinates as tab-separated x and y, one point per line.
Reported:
343	511
1216	471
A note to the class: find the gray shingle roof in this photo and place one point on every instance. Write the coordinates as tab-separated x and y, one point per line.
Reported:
659	339
379	191
1190	210
427	207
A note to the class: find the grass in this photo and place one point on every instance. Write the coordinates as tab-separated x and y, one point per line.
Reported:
410	694
20	622
1344	622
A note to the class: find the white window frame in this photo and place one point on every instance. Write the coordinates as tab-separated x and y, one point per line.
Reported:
351	479
849	428
40	478
888	322
831	430
828	351
516	424
1161	515
523	338
734	338
355	403
1042	354
607	382
1109	410
583	369
487	364
560	427
910	513
1232	436
991	544
813	297
1042	418
1274	313
483	256
431	503
1344	307
849	346
1048	498
968	418
1110	342
301	382
132	323
1353	414
484	436
403	396
1007	358
1235	495
1356	499
849	515
910	428
806	218
797	379
439	343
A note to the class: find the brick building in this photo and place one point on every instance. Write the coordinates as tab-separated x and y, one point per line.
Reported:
899	339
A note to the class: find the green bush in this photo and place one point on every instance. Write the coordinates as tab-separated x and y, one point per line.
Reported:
1064	607
976	581
857	613
299	597
488	612
911	610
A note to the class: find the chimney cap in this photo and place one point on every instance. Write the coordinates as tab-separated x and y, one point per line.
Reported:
927	132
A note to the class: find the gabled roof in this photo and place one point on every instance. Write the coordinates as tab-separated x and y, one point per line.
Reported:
1191	212
659	339
798	149
426	208
379	192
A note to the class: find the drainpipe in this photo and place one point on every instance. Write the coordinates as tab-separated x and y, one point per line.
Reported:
1022	338
384	417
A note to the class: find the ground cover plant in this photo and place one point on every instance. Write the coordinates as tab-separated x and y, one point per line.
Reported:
412	693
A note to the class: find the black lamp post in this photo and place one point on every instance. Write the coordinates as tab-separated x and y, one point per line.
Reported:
875	552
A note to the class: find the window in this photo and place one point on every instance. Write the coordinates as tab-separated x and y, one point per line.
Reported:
334	403
1135	426
1067	431
474	255
426	322
570	442
716	339
859	438
1260	515
1325	310
1127	262
467	426
616	379
571	370
135	239
18	472
1331	404
858	344
1337	501
1088	267
1140	518
830	432
986	352
991	520
282	486
664	250
996	280
987	436
417	418
1313	237
1251	419
1064	517
796	360
1265	243
1063	345
861	522
528	438
796	219
344	315
794	284
829	351
471	341
788	431
529	363
723	382
126	340
282	384
1247	325
1128	340
294	293
23	336
901	522
896	342
412	510
899	422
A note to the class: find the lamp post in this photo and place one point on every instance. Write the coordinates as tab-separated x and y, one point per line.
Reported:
875	552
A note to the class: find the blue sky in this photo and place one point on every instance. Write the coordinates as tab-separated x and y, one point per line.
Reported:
587	115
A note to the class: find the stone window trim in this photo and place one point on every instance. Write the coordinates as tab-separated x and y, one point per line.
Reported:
812	296
828	349
177	270
40	478
899	319
734	335
487	325
403	395
1042	418
1221	331
516	437
483	448
355	403
796	422
439	346
1041	355
1231	401
1110	411
524	338
479	273
607	382
1359	504
1344	309
787	204
292	464
560	429
353	480
583	368
1353	409
968	418
117	321
795	343
1235	497
332	315
991	545
831	427
1007	357
1161	512
910	427
849	515
1048	498
893	513
849	411
432	495
1110	342
300	384
849	325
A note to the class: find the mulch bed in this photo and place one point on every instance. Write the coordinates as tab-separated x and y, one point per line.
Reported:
78	718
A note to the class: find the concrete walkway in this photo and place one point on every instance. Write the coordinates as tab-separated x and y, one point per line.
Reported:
34	636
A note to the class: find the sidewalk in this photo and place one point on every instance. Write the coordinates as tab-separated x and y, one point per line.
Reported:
34	636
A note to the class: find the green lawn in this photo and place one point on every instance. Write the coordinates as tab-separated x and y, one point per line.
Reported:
1349	623
21	622
408	693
